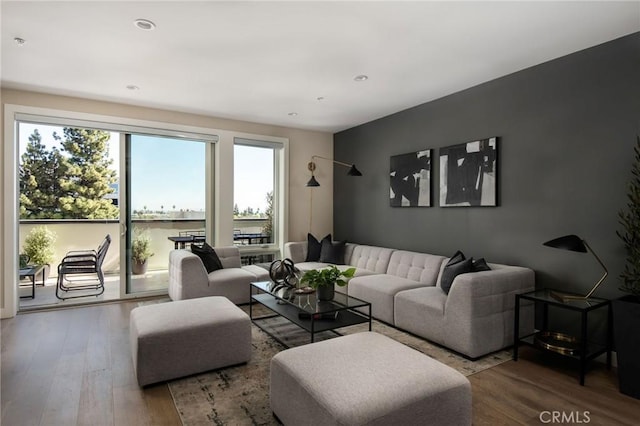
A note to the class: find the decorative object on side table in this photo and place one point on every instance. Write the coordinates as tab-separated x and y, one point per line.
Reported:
323	280
575	243
626	310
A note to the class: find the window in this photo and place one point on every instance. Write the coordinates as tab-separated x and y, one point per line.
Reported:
86	178
256	196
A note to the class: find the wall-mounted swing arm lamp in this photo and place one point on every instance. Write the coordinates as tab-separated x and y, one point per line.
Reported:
575	243
312	167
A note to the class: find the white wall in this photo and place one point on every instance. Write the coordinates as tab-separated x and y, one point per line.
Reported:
302	145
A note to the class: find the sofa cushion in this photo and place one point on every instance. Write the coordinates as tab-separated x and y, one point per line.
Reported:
229	256
233	283
380	290
307	266
360	272
314	247
420	267
208	256
261	273
332	252
375	259
422	311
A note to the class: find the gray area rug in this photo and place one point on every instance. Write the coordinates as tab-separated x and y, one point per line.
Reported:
239	395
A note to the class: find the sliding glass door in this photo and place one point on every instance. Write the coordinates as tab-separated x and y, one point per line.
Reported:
167	185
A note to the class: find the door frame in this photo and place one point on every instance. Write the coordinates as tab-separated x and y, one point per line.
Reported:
9	300
125	222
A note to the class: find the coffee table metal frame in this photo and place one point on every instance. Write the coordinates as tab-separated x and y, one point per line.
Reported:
344	310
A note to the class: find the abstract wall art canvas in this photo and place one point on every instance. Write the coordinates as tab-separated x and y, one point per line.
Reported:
410	179
469	174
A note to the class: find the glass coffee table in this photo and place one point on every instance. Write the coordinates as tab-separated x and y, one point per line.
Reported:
308	313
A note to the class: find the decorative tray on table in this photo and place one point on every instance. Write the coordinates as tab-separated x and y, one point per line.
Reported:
558	342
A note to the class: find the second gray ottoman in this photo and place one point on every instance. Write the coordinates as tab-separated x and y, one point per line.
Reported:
176	339
366	379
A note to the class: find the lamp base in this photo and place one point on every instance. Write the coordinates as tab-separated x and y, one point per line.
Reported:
564	297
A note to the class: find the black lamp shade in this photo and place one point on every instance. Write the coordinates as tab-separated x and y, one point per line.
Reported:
313	181
568	242
353	171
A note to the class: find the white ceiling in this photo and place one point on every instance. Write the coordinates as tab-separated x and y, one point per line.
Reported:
260	61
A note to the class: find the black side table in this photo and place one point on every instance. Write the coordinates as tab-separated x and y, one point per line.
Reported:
582	348
31	271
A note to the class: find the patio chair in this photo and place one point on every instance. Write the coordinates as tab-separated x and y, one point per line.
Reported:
76	266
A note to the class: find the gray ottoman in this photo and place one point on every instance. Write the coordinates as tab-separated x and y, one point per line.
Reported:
366	378
176	339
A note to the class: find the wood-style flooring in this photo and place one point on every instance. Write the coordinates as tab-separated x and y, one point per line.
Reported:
73	367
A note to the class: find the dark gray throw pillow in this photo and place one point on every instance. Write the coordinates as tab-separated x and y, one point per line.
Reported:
454	267
457	257
480	265
314	247
333	252
208	255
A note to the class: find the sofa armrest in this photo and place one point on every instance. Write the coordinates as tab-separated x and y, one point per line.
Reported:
296	251
479	310
480	294
186	273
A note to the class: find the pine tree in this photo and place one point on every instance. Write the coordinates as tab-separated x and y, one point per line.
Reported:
89	175
268	226
630	221
41	172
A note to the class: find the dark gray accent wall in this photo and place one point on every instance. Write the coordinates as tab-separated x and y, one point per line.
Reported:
566	132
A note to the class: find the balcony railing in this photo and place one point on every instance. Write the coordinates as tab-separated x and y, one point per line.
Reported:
87	234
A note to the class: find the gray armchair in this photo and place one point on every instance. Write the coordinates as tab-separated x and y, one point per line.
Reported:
188	278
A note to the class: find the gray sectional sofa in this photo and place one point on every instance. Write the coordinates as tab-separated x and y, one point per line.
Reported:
476	316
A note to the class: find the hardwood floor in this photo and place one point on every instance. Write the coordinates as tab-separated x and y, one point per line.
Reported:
541	385
73	367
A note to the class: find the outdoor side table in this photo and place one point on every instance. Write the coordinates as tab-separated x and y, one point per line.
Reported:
31	272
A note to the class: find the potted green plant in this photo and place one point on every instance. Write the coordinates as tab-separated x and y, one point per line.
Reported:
39	248
324	280
626	309
140	252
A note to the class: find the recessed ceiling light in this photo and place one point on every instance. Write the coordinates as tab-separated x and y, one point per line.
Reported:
293	114
19	41
144	24
361	77
132	87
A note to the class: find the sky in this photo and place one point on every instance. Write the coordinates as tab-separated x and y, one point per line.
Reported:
168	172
